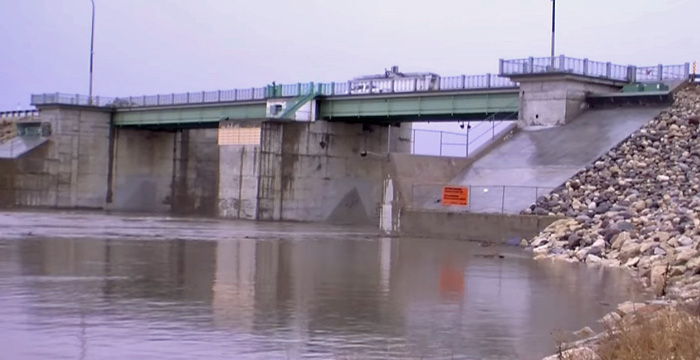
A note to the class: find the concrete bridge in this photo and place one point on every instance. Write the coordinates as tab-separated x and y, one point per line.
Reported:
306	152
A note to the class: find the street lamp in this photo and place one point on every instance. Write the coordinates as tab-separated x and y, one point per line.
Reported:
92	51
553	12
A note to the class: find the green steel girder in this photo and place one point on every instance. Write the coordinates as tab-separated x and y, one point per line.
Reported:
394	107
415	106
188	115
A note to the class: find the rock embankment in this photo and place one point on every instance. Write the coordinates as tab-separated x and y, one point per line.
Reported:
7	130
638	206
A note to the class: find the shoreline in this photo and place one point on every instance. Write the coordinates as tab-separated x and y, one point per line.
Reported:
636	208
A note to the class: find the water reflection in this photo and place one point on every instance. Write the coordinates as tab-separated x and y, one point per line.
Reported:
335	296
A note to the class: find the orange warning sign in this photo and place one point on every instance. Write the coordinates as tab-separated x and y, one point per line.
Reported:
455	195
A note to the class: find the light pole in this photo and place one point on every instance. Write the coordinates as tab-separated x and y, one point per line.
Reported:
553	17
92	51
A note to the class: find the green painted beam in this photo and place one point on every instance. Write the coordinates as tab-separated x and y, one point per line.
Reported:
419	105
397	107
189	114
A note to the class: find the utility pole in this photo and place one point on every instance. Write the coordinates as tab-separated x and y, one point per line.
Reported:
553	17
92	49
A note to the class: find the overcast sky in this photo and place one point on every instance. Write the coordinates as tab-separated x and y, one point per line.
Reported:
161	46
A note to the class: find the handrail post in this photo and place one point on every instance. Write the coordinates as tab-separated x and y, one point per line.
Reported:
660	75
414	141
488	80
686	71
500	66
531	64
562	63
631	73
585	66
204	99
440	143
608	70
218	99
464	81
333	88
503	200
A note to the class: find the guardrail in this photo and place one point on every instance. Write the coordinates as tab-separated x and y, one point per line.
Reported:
457	144
586	67
482	199
18	114
379	86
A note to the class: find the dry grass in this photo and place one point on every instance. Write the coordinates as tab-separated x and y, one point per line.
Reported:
664	334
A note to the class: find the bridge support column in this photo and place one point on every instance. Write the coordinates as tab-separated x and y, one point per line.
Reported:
549	99
69	170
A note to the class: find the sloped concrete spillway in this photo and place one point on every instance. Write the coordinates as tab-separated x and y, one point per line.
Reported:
535	160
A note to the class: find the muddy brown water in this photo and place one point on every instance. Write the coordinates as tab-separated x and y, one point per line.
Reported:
76	285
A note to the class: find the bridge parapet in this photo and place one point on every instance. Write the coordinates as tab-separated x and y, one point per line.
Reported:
18	114
598	69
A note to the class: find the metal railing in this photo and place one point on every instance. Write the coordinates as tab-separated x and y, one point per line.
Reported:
472	139
457	144
380	86
18	114
586	67
503	199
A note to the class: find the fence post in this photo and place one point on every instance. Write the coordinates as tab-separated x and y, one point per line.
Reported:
143	100
218	96
686	71
631	73
415	84
500	67
585	66
349	87
157	99
488	80
493	129
562	63
660	75
414	141
235	94
464	81
531	64
468	127
503	200
440	143
608	70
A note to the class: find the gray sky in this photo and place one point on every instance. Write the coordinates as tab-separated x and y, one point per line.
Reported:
161	46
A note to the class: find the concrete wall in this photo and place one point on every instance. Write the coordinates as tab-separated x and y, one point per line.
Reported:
408	170
69	170
166	171
556	99
238	181
196	169
143	170
309	172
496	228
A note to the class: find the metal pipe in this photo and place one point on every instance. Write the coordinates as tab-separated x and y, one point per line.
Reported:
92	49
388	140
553	28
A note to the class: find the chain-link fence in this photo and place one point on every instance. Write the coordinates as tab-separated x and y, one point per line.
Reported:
482	198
